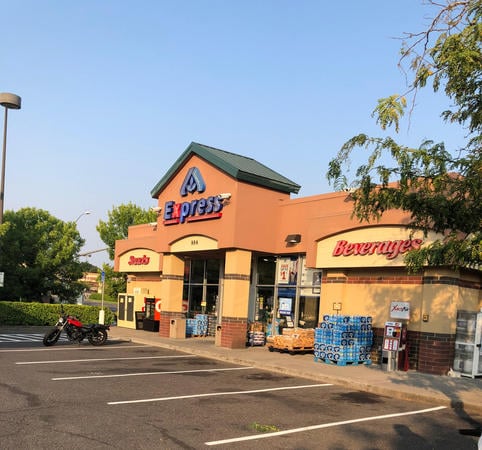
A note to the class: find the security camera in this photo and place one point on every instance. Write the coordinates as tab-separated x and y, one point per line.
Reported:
156	209
350	190
225	196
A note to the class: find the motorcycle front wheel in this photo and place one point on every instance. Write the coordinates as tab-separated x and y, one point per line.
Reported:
51	337
97	337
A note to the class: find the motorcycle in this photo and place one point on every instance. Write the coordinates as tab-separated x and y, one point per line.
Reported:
96	334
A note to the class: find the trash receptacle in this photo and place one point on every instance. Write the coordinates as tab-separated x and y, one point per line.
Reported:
140	315
177	328
389	361
217	337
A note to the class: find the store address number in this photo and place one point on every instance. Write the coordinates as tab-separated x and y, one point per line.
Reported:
194	242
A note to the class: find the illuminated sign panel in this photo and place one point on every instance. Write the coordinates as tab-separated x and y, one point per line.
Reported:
195	210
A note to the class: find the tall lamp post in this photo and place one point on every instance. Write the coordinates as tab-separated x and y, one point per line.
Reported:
85	213
8	101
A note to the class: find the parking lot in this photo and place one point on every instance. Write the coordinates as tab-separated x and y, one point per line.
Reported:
132	396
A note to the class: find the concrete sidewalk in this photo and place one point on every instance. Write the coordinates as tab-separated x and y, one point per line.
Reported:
463	393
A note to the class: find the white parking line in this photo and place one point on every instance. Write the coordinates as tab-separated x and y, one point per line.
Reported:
105	359
70	348
24	337
214	394
148	373
318	427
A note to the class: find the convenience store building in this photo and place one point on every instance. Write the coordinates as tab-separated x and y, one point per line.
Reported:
231	243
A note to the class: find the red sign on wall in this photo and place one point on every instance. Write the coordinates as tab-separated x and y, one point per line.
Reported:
142	261
391	249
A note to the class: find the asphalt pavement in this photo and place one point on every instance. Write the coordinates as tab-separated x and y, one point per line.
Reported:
457	392
462	393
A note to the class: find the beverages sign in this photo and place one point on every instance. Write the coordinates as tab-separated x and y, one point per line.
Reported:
391	249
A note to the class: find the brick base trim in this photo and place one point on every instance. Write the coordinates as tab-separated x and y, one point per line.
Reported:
431	353
165	321
233	332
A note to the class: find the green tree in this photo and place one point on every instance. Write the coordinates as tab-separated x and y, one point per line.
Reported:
120	218
115	282
440	189
38	254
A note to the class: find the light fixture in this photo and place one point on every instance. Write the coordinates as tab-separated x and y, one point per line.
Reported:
225	196
293	238
85	213
8	101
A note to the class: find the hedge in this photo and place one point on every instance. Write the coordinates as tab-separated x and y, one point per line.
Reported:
21	313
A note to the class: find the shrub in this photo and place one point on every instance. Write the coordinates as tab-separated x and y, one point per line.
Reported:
21	313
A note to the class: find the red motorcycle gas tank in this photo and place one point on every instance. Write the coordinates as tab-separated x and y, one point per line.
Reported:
75	322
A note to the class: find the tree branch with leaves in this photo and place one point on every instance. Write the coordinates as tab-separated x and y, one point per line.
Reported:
440	189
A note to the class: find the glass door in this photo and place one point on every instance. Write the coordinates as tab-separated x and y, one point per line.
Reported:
201	286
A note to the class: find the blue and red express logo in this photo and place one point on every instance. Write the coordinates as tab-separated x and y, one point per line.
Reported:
198	209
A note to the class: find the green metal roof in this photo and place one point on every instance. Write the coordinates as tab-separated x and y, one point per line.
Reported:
239	167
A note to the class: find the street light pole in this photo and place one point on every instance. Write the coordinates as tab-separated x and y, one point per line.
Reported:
85	213
8	101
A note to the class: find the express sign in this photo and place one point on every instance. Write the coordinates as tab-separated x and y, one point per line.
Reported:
198	209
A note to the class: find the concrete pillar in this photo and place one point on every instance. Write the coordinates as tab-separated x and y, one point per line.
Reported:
171	292
235	299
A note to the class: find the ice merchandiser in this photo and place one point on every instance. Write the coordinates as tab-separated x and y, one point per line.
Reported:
468	340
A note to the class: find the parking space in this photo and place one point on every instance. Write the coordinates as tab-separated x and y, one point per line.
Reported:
134	396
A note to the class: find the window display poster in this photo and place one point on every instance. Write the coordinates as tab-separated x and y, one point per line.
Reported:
285	306
287	271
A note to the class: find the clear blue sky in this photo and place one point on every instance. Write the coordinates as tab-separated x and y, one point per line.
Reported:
113	91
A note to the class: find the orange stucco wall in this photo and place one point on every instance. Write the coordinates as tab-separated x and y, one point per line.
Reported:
254	218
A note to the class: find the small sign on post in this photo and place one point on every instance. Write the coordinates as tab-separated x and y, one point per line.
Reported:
2	276
101	312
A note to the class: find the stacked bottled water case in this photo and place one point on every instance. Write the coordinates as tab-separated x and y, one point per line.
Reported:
344	340
197	326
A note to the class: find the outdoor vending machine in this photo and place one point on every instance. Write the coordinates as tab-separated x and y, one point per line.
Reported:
152	314
391	345
468	343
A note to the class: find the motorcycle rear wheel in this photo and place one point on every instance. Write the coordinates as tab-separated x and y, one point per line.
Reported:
97	337
51	337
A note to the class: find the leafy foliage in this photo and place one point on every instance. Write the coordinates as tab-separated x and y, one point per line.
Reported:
440	189
115	282
120	218
39	314
38	254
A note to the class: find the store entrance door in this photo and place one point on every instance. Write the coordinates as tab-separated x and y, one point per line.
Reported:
201	289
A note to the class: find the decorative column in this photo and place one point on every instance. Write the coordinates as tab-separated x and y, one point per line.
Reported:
172	279
234	325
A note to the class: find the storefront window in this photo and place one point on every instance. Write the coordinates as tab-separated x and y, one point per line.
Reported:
201	286
309	308
287	293
298	293
264	303
197	271
212	271
266	270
